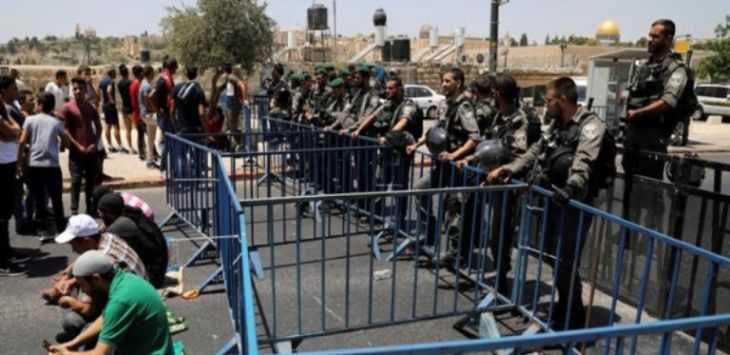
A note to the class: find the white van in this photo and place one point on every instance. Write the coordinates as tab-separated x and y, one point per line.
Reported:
714	100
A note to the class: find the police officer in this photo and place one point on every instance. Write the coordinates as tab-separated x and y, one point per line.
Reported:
363	102
568	153
318	98
659	96
334	169
276	87
510	128
300	95
483	102
457	117
397	123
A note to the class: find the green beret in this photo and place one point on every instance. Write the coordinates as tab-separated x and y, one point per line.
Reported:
329	67
305	76
363	69
344	71
336	82
297	76
320	70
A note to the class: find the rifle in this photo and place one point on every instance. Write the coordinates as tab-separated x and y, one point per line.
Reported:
632	83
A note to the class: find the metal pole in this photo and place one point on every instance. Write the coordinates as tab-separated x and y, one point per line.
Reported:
494	38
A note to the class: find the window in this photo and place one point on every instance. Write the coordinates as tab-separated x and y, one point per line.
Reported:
421	92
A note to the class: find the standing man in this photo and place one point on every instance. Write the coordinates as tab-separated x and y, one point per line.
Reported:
59	88
82	123
41	134
109	107
161	96
484	102
457	118
570	149
189	104
9	95
510	128
147	113
140	126
9	134
123	86
233	95
401	124
660	95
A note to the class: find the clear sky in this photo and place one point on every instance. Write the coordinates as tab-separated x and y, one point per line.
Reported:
537	18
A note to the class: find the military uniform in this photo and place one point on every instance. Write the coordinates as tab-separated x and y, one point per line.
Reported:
485	113
511	130
334	161
396	164
458	118
362	103
655	80
581	138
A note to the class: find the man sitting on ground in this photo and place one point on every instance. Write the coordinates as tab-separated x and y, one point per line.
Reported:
144	236
83	234
133	321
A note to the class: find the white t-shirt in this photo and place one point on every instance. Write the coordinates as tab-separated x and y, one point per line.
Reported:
59	93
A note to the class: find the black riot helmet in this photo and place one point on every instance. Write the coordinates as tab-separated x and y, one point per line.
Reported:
491	154
559	163
437	141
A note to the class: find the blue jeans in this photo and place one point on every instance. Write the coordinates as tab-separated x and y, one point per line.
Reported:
165	125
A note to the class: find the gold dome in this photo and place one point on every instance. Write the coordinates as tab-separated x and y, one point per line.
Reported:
608	28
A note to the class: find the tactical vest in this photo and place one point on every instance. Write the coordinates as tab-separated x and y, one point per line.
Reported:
647	86
457	138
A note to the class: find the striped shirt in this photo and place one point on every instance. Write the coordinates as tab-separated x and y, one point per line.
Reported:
134	201
120	252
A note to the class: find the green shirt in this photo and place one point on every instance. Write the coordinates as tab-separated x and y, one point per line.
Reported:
134	317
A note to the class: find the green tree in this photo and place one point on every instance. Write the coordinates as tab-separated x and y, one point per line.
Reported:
717	67
218	32
524	42
641	42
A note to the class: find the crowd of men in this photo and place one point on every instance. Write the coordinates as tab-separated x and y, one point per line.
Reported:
481	123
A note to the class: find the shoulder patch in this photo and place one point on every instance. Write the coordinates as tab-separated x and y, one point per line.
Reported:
521	138
676	78
407	110
590	130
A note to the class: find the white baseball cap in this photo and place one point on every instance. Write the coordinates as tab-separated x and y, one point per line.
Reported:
81	225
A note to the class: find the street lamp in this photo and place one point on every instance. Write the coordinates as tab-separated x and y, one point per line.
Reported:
494	36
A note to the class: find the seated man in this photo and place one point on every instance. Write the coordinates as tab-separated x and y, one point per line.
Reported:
144	236
129	200
134	319
83	234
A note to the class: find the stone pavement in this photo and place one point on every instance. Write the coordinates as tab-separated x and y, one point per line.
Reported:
129	172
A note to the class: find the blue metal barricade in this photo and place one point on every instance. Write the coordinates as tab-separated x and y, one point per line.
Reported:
451	254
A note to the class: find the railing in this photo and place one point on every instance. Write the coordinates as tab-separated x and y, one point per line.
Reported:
366	252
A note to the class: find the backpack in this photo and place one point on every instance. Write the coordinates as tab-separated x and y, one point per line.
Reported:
534	125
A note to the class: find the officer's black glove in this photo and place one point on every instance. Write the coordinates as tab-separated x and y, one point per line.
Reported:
561	195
